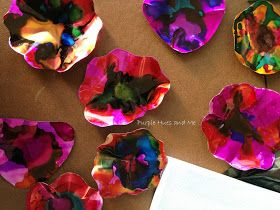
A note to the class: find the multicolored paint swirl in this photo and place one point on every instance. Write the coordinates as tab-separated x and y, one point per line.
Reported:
128	163
256	33
52	34
32	151
243	126
185	25
68	192
121	87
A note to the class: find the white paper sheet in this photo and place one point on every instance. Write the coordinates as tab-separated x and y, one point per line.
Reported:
188	187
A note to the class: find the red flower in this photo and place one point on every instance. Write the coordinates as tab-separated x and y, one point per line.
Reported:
69	191
121	87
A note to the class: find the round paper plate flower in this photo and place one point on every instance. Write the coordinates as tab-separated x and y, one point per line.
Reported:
68	192
128	163
185	25
52	34
242	126
256	34
32	151
120	87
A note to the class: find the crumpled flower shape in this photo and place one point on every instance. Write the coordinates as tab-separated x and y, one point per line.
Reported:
32	151
68	192
52	34
242	126
256	34
185	25
128	163
121	87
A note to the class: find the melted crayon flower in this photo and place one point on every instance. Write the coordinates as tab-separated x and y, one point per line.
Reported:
52	34
68	192
32	151
128	163
121	87
242	126
185	25
257	37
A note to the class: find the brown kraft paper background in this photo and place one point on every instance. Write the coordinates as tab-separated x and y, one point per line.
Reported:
195	78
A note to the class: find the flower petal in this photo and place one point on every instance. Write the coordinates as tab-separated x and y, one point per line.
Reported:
32	151
121	87
242	126
128	163
256	34
52	34
184	25
69	191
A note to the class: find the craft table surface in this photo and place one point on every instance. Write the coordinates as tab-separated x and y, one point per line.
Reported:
195	79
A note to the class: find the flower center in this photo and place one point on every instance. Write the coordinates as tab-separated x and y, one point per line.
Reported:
65	201
171	3
123	92
265	39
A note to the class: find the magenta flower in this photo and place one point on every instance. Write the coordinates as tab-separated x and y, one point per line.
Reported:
242	126
68	192
32	151
185	25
